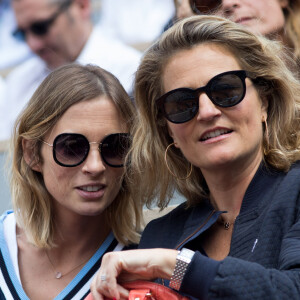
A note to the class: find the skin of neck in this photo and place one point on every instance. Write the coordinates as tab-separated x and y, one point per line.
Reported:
76	234
86	32
228	186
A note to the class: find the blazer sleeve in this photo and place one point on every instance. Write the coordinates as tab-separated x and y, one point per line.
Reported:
235	278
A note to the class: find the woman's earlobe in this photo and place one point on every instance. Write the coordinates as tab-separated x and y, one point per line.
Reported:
172	136
264	107
30	155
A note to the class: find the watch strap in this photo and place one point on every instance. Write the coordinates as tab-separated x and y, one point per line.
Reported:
183	260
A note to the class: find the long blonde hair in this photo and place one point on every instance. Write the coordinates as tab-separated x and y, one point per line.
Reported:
274	81
292	27
31	201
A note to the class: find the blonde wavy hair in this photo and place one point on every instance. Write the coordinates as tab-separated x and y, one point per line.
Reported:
274	82
292	27
63	88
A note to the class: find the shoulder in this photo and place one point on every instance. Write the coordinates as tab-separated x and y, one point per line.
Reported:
6	214
290	180
158	232
270	179
112	55
276	192
105	42
295	170
22	82
7	228
179	213
32	65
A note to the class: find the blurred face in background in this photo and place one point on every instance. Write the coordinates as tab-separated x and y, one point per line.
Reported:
260	16
183	9
54	30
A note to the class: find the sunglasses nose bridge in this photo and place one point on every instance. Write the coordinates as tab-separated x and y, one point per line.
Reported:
94	161
95	145
200	91
206	106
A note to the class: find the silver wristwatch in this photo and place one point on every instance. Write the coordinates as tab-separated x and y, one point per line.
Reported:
183	259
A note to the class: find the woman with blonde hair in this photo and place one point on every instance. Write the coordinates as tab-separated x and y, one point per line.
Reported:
71	201
218	120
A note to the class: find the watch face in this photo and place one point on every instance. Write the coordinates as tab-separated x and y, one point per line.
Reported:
187	253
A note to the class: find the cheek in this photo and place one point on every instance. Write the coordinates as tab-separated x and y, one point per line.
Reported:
250	120
274	18
115	176
275	25
115	183
180	132
57	179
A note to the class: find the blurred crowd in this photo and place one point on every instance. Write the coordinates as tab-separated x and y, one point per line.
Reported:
33	42
37	36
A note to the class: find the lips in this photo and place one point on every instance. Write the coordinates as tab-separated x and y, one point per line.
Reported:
92	192
243	20
214	133
91	188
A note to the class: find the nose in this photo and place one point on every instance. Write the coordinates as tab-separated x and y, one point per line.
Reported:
35	43
207	110
228	6
93	163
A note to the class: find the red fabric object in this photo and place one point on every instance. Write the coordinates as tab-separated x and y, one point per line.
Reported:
146	290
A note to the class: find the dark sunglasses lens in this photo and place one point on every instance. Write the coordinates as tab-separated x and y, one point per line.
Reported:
70	149
40	28
114	149
205	6
181	106
227	90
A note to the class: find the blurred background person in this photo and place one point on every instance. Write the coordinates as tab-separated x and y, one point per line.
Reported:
59	32
182	10
12	51
135	22
2	87
71	202
276	19
1	84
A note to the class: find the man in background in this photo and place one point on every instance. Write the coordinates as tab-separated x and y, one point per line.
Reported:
59	32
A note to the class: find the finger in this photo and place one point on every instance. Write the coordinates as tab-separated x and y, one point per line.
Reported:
95	290
109	291
107	285
124	294
94	295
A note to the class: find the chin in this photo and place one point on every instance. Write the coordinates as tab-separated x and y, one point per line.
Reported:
220	162
53	66
91	210
55	62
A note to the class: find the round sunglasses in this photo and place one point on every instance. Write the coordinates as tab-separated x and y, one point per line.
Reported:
224	90
71	149
204	6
